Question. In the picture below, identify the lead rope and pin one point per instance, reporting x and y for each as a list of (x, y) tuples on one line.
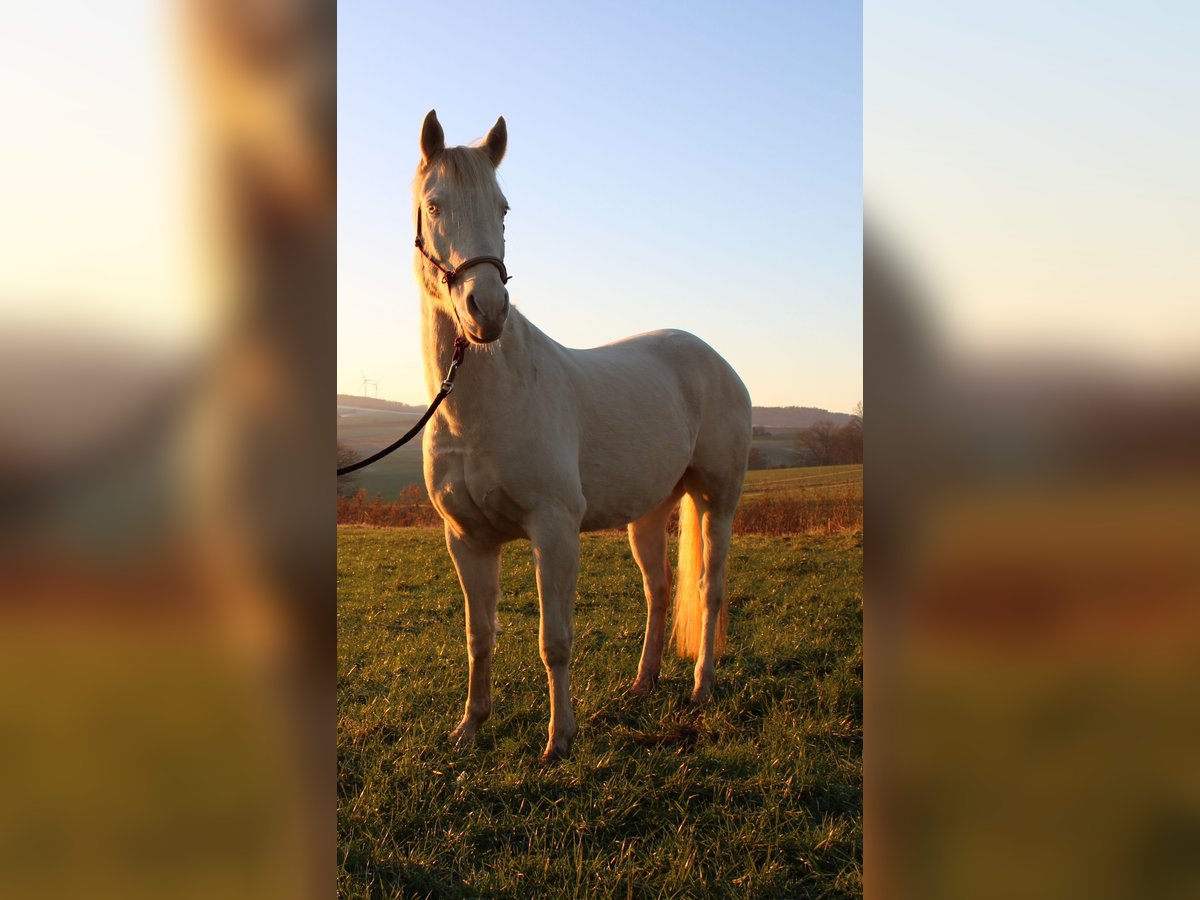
[(460, 349)]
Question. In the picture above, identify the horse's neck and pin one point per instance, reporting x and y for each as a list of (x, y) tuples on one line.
[(437, 344), (491, 376)]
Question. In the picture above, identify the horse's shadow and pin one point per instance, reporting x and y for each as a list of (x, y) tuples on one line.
[(664, 719)]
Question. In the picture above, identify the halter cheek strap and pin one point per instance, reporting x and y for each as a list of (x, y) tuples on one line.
[(449, 273)]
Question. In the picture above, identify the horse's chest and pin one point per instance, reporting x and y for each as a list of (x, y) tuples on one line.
[(467, 491)]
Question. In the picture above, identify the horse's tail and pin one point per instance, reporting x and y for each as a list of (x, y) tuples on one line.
[(689, 599)]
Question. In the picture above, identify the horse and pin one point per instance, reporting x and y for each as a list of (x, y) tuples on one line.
[(542, 442)]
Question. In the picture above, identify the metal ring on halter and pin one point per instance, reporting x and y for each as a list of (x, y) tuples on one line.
[(448, 383), (460, 350)]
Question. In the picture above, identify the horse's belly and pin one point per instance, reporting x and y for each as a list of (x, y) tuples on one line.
[(616, 510), (606, 517), (617, 494)]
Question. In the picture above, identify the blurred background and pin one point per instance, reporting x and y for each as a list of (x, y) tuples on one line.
[(166, 568), (1031, 334), (166, 369)]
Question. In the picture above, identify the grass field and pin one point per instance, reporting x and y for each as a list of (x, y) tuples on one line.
[(758, 795), (812, 480)]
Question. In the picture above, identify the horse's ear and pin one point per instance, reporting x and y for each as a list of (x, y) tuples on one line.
[(433, 140), (496, 142)]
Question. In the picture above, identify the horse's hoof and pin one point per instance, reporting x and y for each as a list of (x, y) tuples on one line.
[(463, 736), (555, 751), (552, 757), (699, 700), (641, 687)]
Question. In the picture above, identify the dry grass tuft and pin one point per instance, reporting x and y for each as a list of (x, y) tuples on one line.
[(778, 513), (411, 508), (820, 509)]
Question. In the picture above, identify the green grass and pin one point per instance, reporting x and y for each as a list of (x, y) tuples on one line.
[(805, 479), (758, 795)]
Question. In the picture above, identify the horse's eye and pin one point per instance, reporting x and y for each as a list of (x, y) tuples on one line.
[(434, 209)]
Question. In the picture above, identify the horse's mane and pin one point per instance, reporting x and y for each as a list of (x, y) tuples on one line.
[(467, 167)]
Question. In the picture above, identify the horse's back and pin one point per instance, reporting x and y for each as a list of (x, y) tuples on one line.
[(679, 351), (669, 361), (659, 407)]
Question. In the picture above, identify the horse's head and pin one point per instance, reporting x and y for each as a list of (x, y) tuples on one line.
[(460, 229)]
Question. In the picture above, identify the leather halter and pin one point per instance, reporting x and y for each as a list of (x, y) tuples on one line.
[(449, 273)]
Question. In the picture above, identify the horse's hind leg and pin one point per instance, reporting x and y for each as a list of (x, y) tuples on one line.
[(717, 529), (479, 574), (648, 539)]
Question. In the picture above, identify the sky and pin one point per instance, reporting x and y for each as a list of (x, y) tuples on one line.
[(667, 166), (1037, 163), (94, 174)]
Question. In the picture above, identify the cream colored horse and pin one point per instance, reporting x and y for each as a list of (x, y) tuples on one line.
[(542, 442)]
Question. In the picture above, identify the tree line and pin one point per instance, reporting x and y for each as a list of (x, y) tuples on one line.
[(822, 444)]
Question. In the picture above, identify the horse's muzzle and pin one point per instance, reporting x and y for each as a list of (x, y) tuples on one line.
[(486, 315)]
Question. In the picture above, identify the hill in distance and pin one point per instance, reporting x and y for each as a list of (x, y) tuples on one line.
[(349, 400), (791, 418), (783, 418)]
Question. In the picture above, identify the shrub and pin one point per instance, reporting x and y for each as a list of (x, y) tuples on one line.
[(410, 508), (770, 512)]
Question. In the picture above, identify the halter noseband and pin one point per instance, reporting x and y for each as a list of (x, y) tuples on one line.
[(449, 273)]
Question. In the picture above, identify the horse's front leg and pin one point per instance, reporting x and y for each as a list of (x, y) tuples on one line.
[(479, 573), (556, 556)]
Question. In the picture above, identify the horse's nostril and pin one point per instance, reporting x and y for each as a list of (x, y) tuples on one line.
[(472, 305), (505, 302)]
